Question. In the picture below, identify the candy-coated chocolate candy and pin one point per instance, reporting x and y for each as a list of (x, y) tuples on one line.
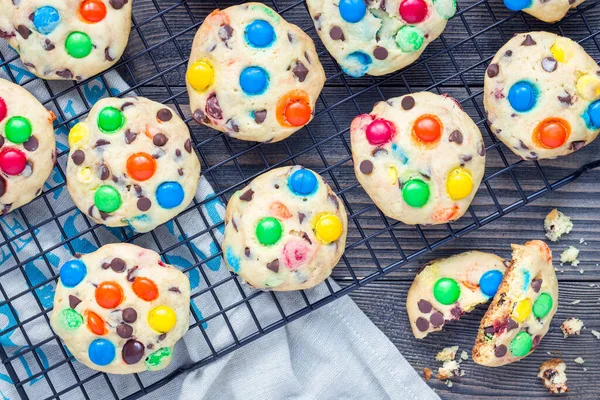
[(295, 253), (298, 113), (260, 33), (110, 120), (328, 228), (446, 291), (92, 10), (459, 184), (141, 166), (352, 10), (303, 182), (78, 45), (3, 109), (542, 305), (232, 259), (562, 50), (357, 63), (78, 135), (101, 352), (409, 39), (522, 96), (107, 199), (522, 310), (70, 319), (490, 281), (516, 5), (84, 175), (446, 8), (162, 319), (415, 193), (588, 87), (392, 175), (552, 133), (155, 359), (109, 294), (279, 210), (132, 352), (145, 288), (413, 11), (380, 131), (593, 112), (521, 344), (12, 161), (169, 194), (268, 230), (96, 324), (46, 19), (18, 129), (427, 128), (72, 273), (254, 80), (201, 75)]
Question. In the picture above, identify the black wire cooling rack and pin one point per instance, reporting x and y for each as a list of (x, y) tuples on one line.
[(154, 66)]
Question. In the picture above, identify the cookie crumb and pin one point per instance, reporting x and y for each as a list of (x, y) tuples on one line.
[(427, 373), (557, 224), (571, 327), (552, 373), (449, 383), (596, 334), (449, 370), (579, 360), (464, 355), (447, 354), (570, 256)]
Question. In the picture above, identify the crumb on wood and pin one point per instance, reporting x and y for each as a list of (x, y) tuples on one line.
[(447, 354), (464, 355), (449, 370), (579, 360), (575, 302), (570, 256), (557, 224), (427, 373), (553, 374), (596, 334), (571, 327)]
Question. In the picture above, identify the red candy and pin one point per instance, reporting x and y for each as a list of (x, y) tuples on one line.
[(296, 253), (12, 161), (380, 131), (109, 294), (413, 11), (3, 110)]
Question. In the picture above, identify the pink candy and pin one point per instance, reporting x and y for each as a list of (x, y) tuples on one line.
[(3, 110), (413, 11), (296, 253), (380, 131)]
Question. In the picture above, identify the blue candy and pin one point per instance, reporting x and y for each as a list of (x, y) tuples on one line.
[(489, 282), (46, 19), (303, 182), (233, 260), (352, 10), (169, 194), (101, 352), (516, 5), (594, 114), (357, 64), (260, 33), (254, 80), (72, 273), (522, 96)]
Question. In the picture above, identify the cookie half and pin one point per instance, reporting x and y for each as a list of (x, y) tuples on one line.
[(445, 289), (419, 157), (121, 309), (522, 309), (252, 74), (132, 163), (286, 230), (542, 96), (547, 11)]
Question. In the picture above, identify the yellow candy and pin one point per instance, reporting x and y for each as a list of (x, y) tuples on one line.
[(459, 184), (78, 136), (162, 319), (84, 175), (522, 310), (562, 50), (588, 87), (393, 175), (328, 228), (201, 75)]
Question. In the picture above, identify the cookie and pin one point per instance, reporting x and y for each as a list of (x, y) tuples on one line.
[(67, 39), (446, 289), (286, 230), (419, 157), (522, 309), (132, 163), (557, 224), (553, 375), (542, 96), (27, 146), (547, 11), (378, 37), (253, 75), (121, 309)]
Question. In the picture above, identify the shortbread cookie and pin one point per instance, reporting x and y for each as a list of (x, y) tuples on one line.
[(66, 39), (252, 74), (447, 288), (522, 309), (132, 163), (553, 374), (27, 146), (545, 10), (542, 96), (286, 230), (121, 309), (419, 157), (378, 37)]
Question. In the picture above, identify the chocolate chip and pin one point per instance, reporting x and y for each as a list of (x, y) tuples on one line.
[(105, 265), (422, 324), (456, 137), (232, 126), (301, 217), (532, 156), (366, 167), (523, 145), (508, 53), (274, 265), (213, 108), (306, 237), (333, 198), (200, 117), (424, 306), (177, 153), (493, 70), (180, 171), (48, 45), (300, 71), (549, 64), (129, 315), (576, 145), (225, 32), (104, 172), (380, 53), (259, 116), (30, 144), (528, 41), (511, 324), (407, 103), (144, 204), (78, 157), (65, 73), (159, 140), (436, 319), (188, 145), (127, 104), (74, 301), (24, 31), (100, 143), (247, 251), (1, 140), (488, 330), (125, 331), (456, 312), (174, 289), (536, 284), (234, 224), (164, 114), (133, 351), (117, 4), (481, 150), (536, 341), (118, 264), (276, 186), (138, 189), (566, 99), (379, 150), (500, 351), (107, 55), (466, 157), (336, 33), (247, 195)]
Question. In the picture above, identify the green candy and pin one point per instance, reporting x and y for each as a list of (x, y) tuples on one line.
[(415, 193), (446, 291), (156, 358), (70, 319), (268, 231), (521, 344), (78, 45), (446, 8), (110, 120), (18, 129), (542, 305), (409, 39), (107, 198)]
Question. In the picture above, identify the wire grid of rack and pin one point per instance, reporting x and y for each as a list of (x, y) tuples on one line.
[(154, 66)]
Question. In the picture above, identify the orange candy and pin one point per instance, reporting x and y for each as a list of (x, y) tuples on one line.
[(293, 109), (141, 166), (552, 133), (297, 113), (427, 128), (96, 323), (279, 210), (92, 10), (109, 294), (145, 288)]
